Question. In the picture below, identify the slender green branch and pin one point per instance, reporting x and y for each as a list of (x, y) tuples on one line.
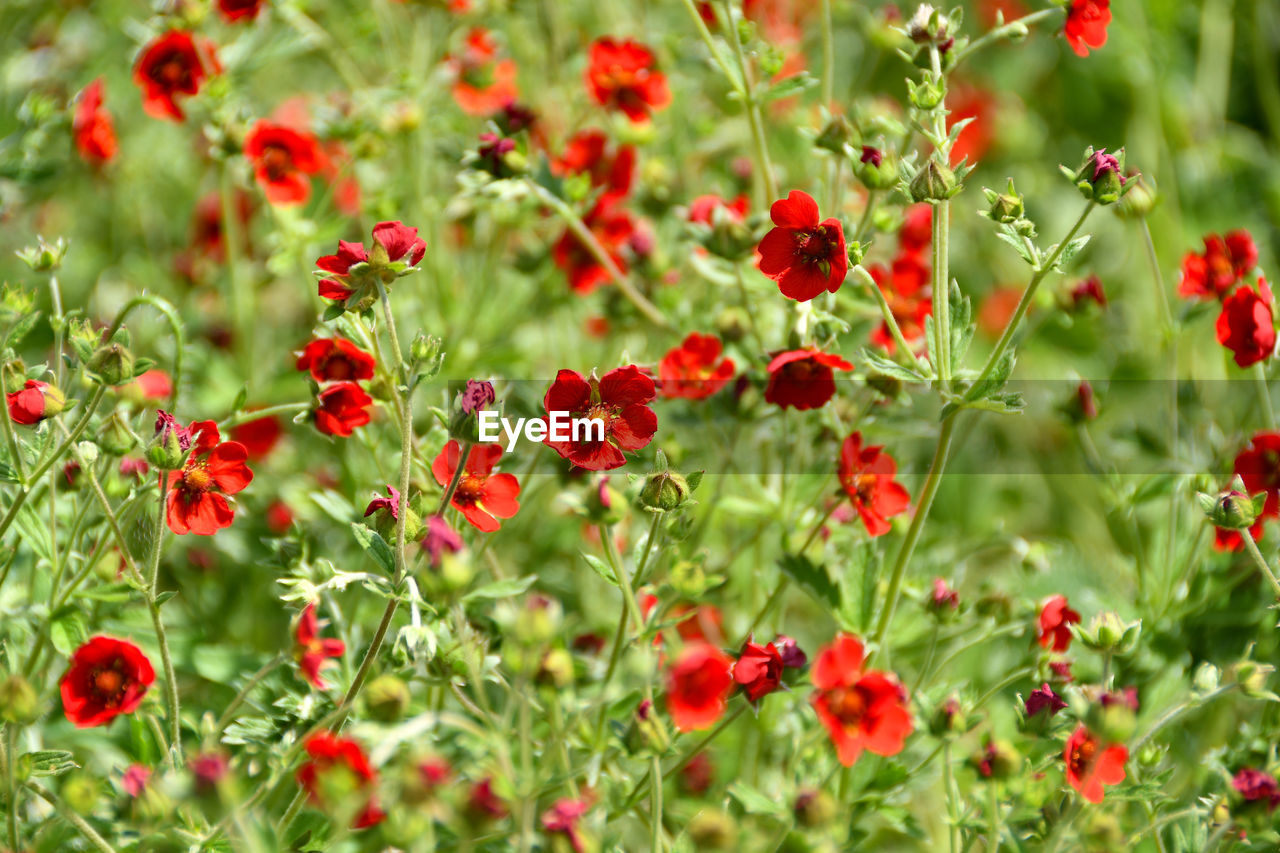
[(69, 815), (752, 106), (1176, 712), (1251, 545), (175, 326), (229, 715), (889, 320), (1016, 27)]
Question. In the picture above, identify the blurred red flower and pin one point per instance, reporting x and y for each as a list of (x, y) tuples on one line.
[(238, 10), (702, 208), (867, 477), (916, 232), (698, 686), (861, 709), (1056, 619), (1256, 785), (905, 286), (805, 257), (622, 75), (563, 817), (312, 651), (483, 84), (1092, 763), (282, 159), (613, 228), (337, 769), (336, 359), (611, 168), (1086, 25), (482, 496), (173, 66), (1246, 325), (803, 379), (92, 127), (1224, 262), (259, 436), (694, 370), (619, 400), (341, 408), (213, 469), (107, 677)]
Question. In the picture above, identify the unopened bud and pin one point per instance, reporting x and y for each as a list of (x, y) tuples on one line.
[(116, 437), (877, 169), (835, 136), (44, 257), (814, 808), (113, 363), (934, 182), (556, 669), (996, 760), (387, 698), (1232, 509), (711, 830), (1101, 177), (664, 491), (1006, 207), (18, 701), (1252, 677)]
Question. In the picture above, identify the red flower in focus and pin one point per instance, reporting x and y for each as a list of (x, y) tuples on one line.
[(282, 159), (338, 769), (694, 369), (107, 678), (613, 227), (170, 67), (562, 818), (237, 10), (94, 132), (394, 243), (1246, 325), (1086, 25), (621, 75), (867, 477), (311, 651), (758, 670), (483, 84), (336, 359), (481, 496), (1092, 764), (703, 208), (906, 289), (861, 710), (259, 436), (804, 256), (215, 468), (36, 401), (1224, 262), (803, 378), (698, 685), (587, 152), (1056, 619), (618, 400), (1255, 785), (341, 408)]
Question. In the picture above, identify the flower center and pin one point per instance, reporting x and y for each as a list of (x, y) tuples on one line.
[(276, 161), (813, 246), (172, 72), (1082, 756), (198, 478), (847, 705), (107, 682), (865, 485), (337, 368), (470, 489)]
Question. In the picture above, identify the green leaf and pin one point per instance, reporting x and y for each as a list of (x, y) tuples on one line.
[(887, 367), (788, 86), (22, 328), (333, 312), (1019, 245), (48, 762), (601, 568), (501, 589), (754, 802), (1069, 251), (812, 578), (371, 541), (67, 630), (112, 592)]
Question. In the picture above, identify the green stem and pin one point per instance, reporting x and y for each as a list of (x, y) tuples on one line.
[(705, 35), (942, 287), (11, 437), (175, 326), (228, 715), (868, 211), (993, 817), (69, 815), (1174, 713), (643, 785), (9, 753), (953, 810), (760, 147), (828, 55), (1251, 546), (749, 307), (1264, 395), (889, 320), (244, 417), (655, 817), (1018, 26)]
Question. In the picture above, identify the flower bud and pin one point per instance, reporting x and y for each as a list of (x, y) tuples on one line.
[(926, 95), (604, 504), (927, 26), (1140, 197), (81, 792), (168, 449), (856, 252), (425, 349), (556, 669), (948, 718), (1114, 716), (538, 621), (387, 698), (498, 156), (997, 759), (1006, 207), (934, 182), (814, 808), (18, 701), (44, 257), (876, 169), (732, 324), (1252, 676), (1100, 178), (1109, 633), (729, 238), (35, 402), (477, 396), (15, 375), (664, 491), (115, 436), (113, 363), (711, 830), (647, 731), (835, 136), (1232, 509)]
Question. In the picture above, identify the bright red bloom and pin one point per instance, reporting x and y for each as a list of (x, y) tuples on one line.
[(1056, 619), (1086, 25), (336, 359), (1258, 465), (394, 242), (803, 378), (341, 408), (34, 402), (282, 159), (338, 766), (621, 75), (483, 84), (1256, 785), (107, 678), (215, 468), (481, 496), (312, 651), (259, 436), (804, 256), (1246, 325), (694, 369), (698, 686), (170, 67), (588, 152), (906, 289), (861, 710), (1092, 764), (614, 228), (758, 670), (618, 400), (1224, 262), (563, 817), (867, 477), (237, 10), (703, 208), (94, 132), (916, 232)]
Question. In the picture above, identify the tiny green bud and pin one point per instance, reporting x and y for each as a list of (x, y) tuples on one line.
[(387, 698), (934, 182), (556, 669), (1006, 207), (1252, 678), (45, 256), (664, 491), (1232, 509), (835, 136), (815, 808), (18, 700), (113, 363), (712, 830)]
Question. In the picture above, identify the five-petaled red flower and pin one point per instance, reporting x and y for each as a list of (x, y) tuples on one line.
[(867, 477), (341, 408), (803, 378), (1086, 25), (618, 400), (312, 651), (1224, 262), (621, 75), (336, 360), (107, 677), (1091, 763), (481, 496), (804, 256), (336, 770), (1056, 619), (34, 402), (1246, 325), (698, 686), (758, 670), (240, 10), (694, 369), (173, 66), (394, 243), (94, 132), (282, 159), (213, 469), (861, 709)]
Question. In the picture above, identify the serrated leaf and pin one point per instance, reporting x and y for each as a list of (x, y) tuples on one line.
[(1069, 251), (372, 542), (812, 578), (787, 87), (48, 762), (113, 592), (22, 328), (501, 589), (67, 630), (887, 367), (601, 568), (1019, 245)]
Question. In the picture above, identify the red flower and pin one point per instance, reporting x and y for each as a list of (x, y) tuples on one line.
[(803, 256), (170, 67), (1055, 621), (135, 779), (803, 378), (613, 227), (107, 678), (155, 384), (342, 407), (312, 651), (906, 289), (481, 496), (1043, 698), (703, 208), (917, 229), (1246, 325), (867, 477), (214, 468), (336, 359), (694, 369), (758, 670), (621, 76), (282, 158), (483, 84), (235, 10), (861, 710), (279, 517), (394, 243), (259, 436), (338, 769), (1259, 466), (618, 400), (1254, 785), (562, 818), (698, 686), (36, 401), (94, 132), (587, 152), (1092, 764), (1224, 263), (1089, 290), (484, 803), (965, 101), (1086, 25), (943, 598)]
